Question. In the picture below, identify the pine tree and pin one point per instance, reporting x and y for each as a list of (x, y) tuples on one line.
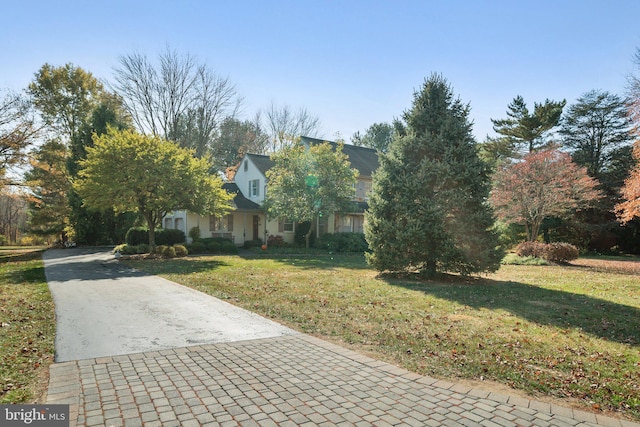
[(428, 211)]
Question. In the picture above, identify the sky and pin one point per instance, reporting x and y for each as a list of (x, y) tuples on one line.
[(350, 63)]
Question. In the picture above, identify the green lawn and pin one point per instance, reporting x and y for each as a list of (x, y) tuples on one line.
[(27, 326), (563, 331)]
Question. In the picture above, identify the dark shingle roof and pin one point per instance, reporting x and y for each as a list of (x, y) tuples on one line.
[(240, 201), (263, 163), (365, 160)]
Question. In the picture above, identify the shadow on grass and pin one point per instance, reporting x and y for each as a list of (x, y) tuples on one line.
[(179, 265), (565, 310), (324, 262), (20, 255)]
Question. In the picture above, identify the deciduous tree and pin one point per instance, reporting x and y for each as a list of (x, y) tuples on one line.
[(428, 211), (547, 183), (235, 139), (630, 207), (307, 182), (130, 172), (65, 96), (177, 98), (49, 182), (284, 126), (17, 130), (378, 136)]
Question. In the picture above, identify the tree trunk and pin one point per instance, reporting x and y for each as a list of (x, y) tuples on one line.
[(307, 237), (151, 223)]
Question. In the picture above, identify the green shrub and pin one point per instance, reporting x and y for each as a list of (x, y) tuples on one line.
[(180, 250), (169, 251), (142, 248), (168, 237), (248, 244), (194, 233), (214, 247), (137, 235), (514, 259), (343, 242), (160, 249), (209, 240), (229, 248), (197, 248), (560, 252)]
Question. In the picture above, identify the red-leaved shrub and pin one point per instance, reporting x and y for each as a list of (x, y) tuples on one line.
[(552, 252)]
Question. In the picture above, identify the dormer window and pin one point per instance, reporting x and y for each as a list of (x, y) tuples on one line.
[(254, 188)]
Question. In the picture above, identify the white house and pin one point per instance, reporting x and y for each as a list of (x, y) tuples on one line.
[(248, 220)]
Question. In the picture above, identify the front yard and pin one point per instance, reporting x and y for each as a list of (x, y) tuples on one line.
[(27, 326), (570, 332)]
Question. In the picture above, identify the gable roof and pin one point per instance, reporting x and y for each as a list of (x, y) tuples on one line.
[(364, 159), (239, 200), (263, 163)]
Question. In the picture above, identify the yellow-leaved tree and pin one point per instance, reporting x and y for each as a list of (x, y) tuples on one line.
[(131, 172)]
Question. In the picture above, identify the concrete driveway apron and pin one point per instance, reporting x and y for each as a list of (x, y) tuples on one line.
[(104, 308)]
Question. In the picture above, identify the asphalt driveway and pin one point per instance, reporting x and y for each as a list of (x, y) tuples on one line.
[(104, 308)]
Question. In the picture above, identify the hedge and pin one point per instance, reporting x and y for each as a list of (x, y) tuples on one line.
[(167, 237)]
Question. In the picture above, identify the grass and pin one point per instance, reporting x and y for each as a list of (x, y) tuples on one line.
[(562, 331), (27, 326)]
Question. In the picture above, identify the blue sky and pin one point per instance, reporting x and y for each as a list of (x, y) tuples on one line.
[(351, 63)]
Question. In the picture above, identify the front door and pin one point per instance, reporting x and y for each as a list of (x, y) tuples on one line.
[(256, 227)]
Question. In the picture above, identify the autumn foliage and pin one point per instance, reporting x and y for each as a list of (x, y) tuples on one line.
[(630, 208), (547, 183)]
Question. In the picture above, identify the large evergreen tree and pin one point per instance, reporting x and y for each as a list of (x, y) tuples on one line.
[(428, 211), (524, 131)]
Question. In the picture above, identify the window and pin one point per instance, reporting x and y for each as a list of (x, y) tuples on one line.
[(246, 165), (288, 225), (285, 225), (221, 224), (254, 188)]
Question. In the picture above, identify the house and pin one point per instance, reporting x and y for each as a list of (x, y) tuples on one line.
[(248, 221)]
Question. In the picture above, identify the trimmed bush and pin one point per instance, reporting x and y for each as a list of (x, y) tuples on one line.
[(181, 250), (530, 249), (169, 251), (197, 248), (552, 252), (214, 247), (228, 247), (137, 235), (560, 252), (167, 237), (343, 242), (194, 233)]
